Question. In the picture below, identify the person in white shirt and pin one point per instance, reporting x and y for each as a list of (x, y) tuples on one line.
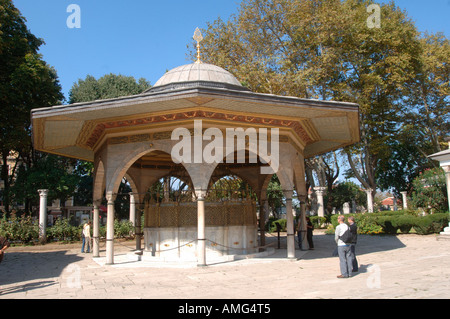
[(86, 237), (344, 249)]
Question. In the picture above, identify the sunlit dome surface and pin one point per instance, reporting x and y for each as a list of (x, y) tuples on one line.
[(197, 72)]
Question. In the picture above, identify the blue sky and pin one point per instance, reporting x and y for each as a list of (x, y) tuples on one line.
[(144, 38)]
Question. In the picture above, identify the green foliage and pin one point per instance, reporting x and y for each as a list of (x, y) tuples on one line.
[(275, 194), (430, 191), (48, 172), (396, 222), (26, 82), (107, 87), (25, 230), (318, 221), (63, 231), (272, 227), (22, 229), (345, 192), (123, 228), (325, 50), (431, 224)]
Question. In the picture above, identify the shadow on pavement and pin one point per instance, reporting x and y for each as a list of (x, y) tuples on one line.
[(41, 267), (324, 245)]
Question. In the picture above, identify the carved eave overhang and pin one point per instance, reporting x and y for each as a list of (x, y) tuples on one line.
[(78, 130)]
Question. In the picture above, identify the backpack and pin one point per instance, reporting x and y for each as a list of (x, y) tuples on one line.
[(346, 237)]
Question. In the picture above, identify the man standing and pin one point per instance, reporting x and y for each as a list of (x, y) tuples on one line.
[(354, 231), (344, 250)]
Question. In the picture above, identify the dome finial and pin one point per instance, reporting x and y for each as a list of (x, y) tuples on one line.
[(198, 37)]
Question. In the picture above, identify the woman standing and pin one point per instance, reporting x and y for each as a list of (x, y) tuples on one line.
[(86, 234)]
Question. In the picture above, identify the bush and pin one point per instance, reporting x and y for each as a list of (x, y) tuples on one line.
[(394, 222), (123, 228), (431, 224), (22, 229), (63, 231), (430, 191), (319, 222), (404, 223)]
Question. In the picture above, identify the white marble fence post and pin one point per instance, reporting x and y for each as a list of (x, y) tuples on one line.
[(320, 191), (43, 193)]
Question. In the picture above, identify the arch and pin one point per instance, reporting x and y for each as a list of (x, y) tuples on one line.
[(115, 174)]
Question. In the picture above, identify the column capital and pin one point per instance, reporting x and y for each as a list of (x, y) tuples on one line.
[(302, 198), (200, 193), (369, 190), (43, 192), (110, 197), (288, 193), (320, 190), (96, 202)]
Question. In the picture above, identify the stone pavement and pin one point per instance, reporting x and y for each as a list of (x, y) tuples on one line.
[(403, 266)]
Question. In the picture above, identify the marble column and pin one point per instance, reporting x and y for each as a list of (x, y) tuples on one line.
[(290, 225), (369, 200), (96, 230), (201, 231), (43, 193), (132, 209), (320, 191), (110, 229)]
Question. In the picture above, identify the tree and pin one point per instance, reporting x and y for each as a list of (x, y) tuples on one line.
[(325, 49), (430, 191), (26, 82), (428, 95), (346, 192), (48, 172), (107, 87), (90, 89)]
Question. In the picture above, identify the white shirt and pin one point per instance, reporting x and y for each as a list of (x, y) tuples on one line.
[(340, 230), (87, 230)]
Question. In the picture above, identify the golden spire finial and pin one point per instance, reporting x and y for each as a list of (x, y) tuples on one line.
[(198, 37)]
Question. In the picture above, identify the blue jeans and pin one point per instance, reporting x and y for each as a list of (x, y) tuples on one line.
[(86, 240), (345, 260)]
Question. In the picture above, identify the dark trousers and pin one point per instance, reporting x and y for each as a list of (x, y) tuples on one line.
[(309, 237), (354, 261)]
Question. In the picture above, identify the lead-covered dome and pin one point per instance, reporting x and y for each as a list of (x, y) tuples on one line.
[(197, 74)]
